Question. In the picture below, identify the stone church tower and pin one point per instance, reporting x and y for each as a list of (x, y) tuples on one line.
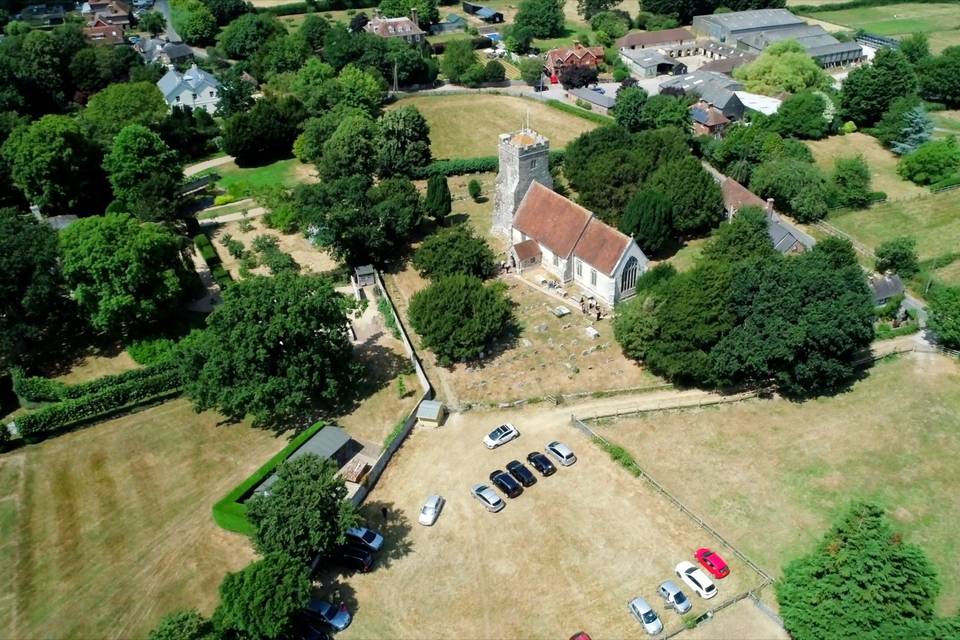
[(524, 157)]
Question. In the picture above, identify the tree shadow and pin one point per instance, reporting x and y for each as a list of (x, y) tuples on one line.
[(334, 590), (395, 530)]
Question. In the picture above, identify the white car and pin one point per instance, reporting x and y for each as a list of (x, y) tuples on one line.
[(562, 453), (500, 436), (365, 537), (696, 579), (430, 510), (645, 615), (487, 497)]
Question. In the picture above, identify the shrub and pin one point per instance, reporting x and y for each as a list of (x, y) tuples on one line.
[(265, 242), (236, 248), (283, 219), (383, 306), (583, 104), (931, 162), (40, 389), (571, 109), (278, 261), (474, 189), (877, 196), (223, 199), (848, 127), (153, 351)]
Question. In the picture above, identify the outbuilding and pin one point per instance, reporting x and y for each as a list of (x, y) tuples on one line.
[(365, 275), (431, 413)]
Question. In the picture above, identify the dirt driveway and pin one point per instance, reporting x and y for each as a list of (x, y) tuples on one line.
[(566, 555)]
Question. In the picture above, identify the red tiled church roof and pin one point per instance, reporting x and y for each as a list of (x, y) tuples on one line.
[(551, 219), (601, 246)]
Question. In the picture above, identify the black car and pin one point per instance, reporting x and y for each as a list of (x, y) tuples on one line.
[(541, 463), (354, 558), (521, 473), (505, 483)]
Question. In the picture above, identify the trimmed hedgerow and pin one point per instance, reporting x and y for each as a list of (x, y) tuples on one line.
[(580, 113), (462, 166), (39, 389), (230, 512)]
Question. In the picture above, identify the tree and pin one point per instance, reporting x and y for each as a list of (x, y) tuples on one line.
[(152, 22), (274, 349), (438, 202), (614, 24), (456, 250), (264, 133), (194, 22), (226, 10), (113, 108), (915, 48), (314, 29), (904, 126), (236, 92), (898, 255), (647, 219), (282, 54), (695, 197), (802, 115), (427, 11), (316, 131), (260, 600), (32, 299), (54, 164), (124, 275), (404, 142), (860, 576), (457, 59), (494, 71), (183, 625), (940, 77), (306, 512), (783, 66), (475, 190), (931, 162), (590, 8), (361, 89), (664, 111), (851, 180), (350, 150), (541, 18), (458, 318), (745, 239), (628, 108), (576, 76), (945, 315), (145, 174), (799, 188), (869, 90), (531, 71), (316, 87), (244, 36), (189, 132)]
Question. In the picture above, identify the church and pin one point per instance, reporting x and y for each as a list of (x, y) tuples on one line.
[(547, 230)]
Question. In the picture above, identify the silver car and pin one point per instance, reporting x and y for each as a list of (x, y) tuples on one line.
[(488, 497), (430, 510), (562, 453), (645, 615), (674, 598)]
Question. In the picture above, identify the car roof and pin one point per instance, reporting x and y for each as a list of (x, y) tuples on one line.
[(560, 447), (685, 566), (514, 463), (641, 604), (670, 586), (433, 500)]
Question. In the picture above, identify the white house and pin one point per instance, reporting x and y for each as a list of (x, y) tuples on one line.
[(193, 88)]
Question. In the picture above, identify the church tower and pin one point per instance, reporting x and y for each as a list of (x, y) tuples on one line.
[(524, 157)]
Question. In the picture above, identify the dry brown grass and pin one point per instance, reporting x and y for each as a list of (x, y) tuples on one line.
[(113, 527), (566, 555), (96, 365), (772, 474), (311, 259), (743, 621), (883, 163)]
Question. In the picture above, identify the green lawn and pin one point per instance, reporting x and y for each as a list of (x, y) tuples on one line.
[(902, 19), (244, 182), (946, 123), (882, 162)]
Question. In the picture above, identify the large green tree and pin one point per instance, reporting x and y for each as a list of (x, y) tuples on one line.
[(541, 18), (306, 512), (931, 162), (244, 36), (459, 318), (456, 249), (195, 23), (784, 66), (851, 182), (904, 126), (145, 174), (438, 202), (664, 111), (260, 600), (862, 576), (940, 77), (695, 197), (945, 315), (648, 218), (55, 165), (797, 187), (153, 23), (124, 275), (183, 625), (803, 115), (113, 108), (427, 11), (264, 133), (404, 142), (274, 349), (868, 91), (458, 57), (351, 149), (628, 108), (898, 255)]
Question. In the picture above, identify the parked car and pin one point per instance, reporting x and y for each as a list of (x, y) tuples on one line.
[(430, 510), (505, 482), (308, 628), (522, 475), (500, 436), (674, 598), (363, 537), (356, 558), (712, 563), (487, 497), (696, 580), (645, 615), (580, 635), (598, 89), (541, 463), (562, 453), (328, 614)]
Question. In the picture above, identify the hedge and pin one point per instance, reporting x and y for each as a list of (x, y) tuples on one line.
[(73, 412), (230, 513), (461, 166), (945, 184), (289, 9), (39, 389), (857, 4), (580, 113)]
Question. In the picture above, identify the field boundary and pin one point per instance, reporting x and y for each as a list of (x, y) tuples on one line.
[(678, 403)]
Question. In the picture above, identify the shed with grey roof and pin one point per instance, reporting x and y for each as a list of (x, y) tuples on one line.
[(599, 102), (885, 287), (648, 63), (431, 413), (730, 27), (711, 87), (331, 443)]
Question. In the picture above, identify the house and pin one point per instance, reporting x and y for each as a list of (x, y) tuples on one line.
[(785, 237), (114, 12), (431, 413), (708, 120), (597, 102), (670, 39), (193, 88), (403, 28), (714, 88), (546, 229), (484, 13), (43, 15), (102, 33), (885, 287), (649, 63), (166, 53), (331, 443), (578, 55), (450, 24)]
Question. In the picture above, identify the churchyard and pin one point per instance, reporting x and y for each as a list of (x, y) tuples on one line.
[(938, 20), (310, 258), (786, 469)]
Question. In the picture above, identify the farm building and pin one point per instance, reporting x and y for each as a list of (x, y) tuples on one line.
[(649, 63), (598, 102), (885, 287), (711, 87), (484, 13), (576, 56), (450, 24), (667, 39)]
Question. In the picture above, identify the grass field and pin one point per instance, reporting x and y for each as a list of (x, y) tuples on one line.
[(946, 123), (772, 474), (468, 125), (940, 20), (110, 526), (883, 163), (243, 182)]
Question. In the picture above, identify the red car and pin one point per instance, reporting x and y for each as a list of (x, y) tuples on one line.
[(580, 635), (712, 563)]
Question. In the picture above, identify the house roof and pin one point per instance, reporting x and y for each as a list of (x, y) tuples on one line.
[(887, 286), (760, 103), (653, 38), (601, 246), (754, 19), (324, 443), (527, 250), (728, 64), (707, 115), (393, 27), (576, 53), (594, 97), (782, 234), (104, 34), (736, 196), (552, 220), (430, 410), (194, 78), (486, 12), (646, 59)]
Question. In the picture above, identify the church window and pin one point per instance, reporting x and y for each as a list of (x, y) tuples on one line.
[(593, 277), (629, 278), (579, 269)]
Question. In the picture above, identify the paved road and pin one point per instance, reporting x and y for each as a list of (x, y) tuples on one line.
[(194, 169), (163, 6)]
